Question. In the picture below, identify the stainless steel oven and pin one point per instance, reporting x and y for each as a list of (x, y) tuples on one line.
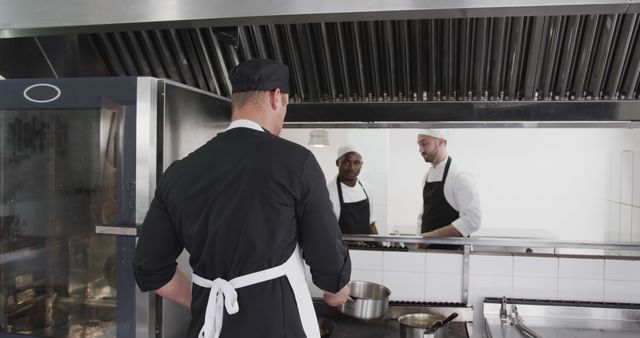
[(79, 162)]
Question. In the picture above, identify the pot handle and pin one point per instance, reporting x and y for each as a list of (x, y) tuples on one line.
[(350, 302), (439, 323), (428, 335)]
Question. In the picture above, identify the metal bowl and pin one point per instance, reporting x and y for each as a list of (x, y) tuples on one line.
[(413, 325), (367, 301)]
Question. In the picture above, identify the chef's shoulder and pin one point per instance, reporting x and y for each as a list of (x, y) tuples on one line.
[(287, 149), (460, 177)]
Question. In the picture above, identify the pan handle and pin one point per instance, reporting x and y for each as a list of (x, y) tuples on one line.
[(440, 323)]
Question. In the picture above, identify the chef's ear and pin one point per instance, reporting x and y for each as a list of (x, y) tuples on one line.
[(274, 99), (338, 162)]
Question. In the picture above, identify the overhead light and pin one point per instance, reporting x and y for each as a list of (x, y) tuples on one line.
[(2, 77), (319, 138)]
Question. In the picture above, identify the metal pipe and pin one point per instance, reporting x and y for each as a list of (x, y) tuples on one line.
[(374, 61), (325, 53), (622, 53), (294, 64), (151, 54), (218, 61), (571, 35), (205, 61), (603, 56), (585, 51), (256, 32), (342, 61)]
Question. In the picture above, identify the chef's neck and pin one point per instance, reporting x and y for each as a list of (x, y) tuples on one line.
[(349, 182), (440, 158), (261, 119)]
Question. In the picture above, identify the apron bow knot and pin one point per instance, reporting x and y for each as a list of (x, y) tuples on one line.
[(222, 294)]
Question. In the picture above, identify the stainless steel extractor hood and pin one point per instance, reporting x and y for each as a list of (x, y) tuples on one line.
[(393, 62)]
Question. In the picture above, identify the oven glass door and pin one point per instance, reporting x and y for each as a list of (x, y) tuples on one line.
[(62, 172)]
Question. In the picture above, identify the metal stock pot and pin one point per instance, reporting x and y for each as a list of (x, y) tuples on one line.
[(367, 301), (423, 325)]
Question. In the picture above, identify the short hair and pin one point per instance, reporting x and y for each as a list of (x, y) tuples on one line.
[(242, 98)]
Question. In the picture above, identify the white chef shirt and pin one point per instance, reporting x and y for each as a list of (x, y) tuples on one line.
[(461, 193), (242, 123), (349, 195)]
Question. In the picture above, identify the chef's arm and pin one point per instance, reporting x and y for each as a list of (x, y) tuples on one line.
[(339, 298), (318, 231), (372, 229), (178, 289), (467, 201), (446, 231)]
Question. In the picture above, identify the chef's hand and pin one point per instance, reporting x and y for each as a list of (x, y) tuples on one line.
[(426, 234), (336, 299)]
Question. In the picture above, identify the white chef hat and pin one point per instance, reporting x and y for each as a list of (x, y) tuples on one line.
[(437, 133), (347, 148)]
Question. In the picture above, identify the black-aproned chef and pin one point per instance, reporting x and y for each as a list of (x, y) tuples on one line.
[(249, 207), (351, 202), (451, 203)]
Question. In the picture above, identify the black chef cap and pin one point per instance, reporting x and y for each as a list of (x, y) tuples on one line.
[(259, 75)]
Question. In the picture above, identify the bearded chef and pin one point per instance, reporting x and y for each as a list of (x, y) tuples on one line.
[(451, 203)]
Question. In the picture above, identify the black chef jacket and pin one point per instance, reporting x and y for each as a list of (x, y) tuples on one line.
[(239, 204)]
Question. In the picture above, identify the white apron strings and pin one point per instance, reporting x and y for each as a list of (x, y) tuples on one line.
[(223, 295)]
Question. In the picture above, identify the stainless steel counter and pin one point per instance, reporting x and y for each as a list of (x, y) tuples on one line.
[(494, 241), (561, 319)]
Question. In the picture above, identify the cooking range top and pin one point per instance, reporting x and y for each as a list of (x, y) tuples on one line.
[(376, 246), (385, 327)]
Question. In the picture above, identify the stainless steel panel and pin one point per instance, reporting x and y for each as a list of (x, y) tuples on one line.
[(562, 319), (491, 241), (19, 18), (536, 112), (146, 176), (146, 144)]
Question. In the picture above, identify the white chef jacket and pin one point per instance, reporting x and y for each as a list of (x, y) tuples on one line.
[(461, 193), (349, 195)]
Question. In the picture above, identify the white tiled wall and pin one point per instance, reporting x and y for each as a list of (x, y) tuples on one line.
[(581, 268), (581, 289), (443, 279), (581, 279), (404, 285), (491, 265), (404, 261), (622, 281), (535, 287), (366, 260), (545, 267)]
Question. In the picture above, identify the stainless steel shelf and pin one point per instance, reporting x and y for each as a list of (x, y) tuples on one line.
[(494, 241)]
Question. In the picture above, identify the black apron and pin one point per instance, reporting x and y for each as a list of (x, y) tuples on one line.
[(354, 217), (437, 212)]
